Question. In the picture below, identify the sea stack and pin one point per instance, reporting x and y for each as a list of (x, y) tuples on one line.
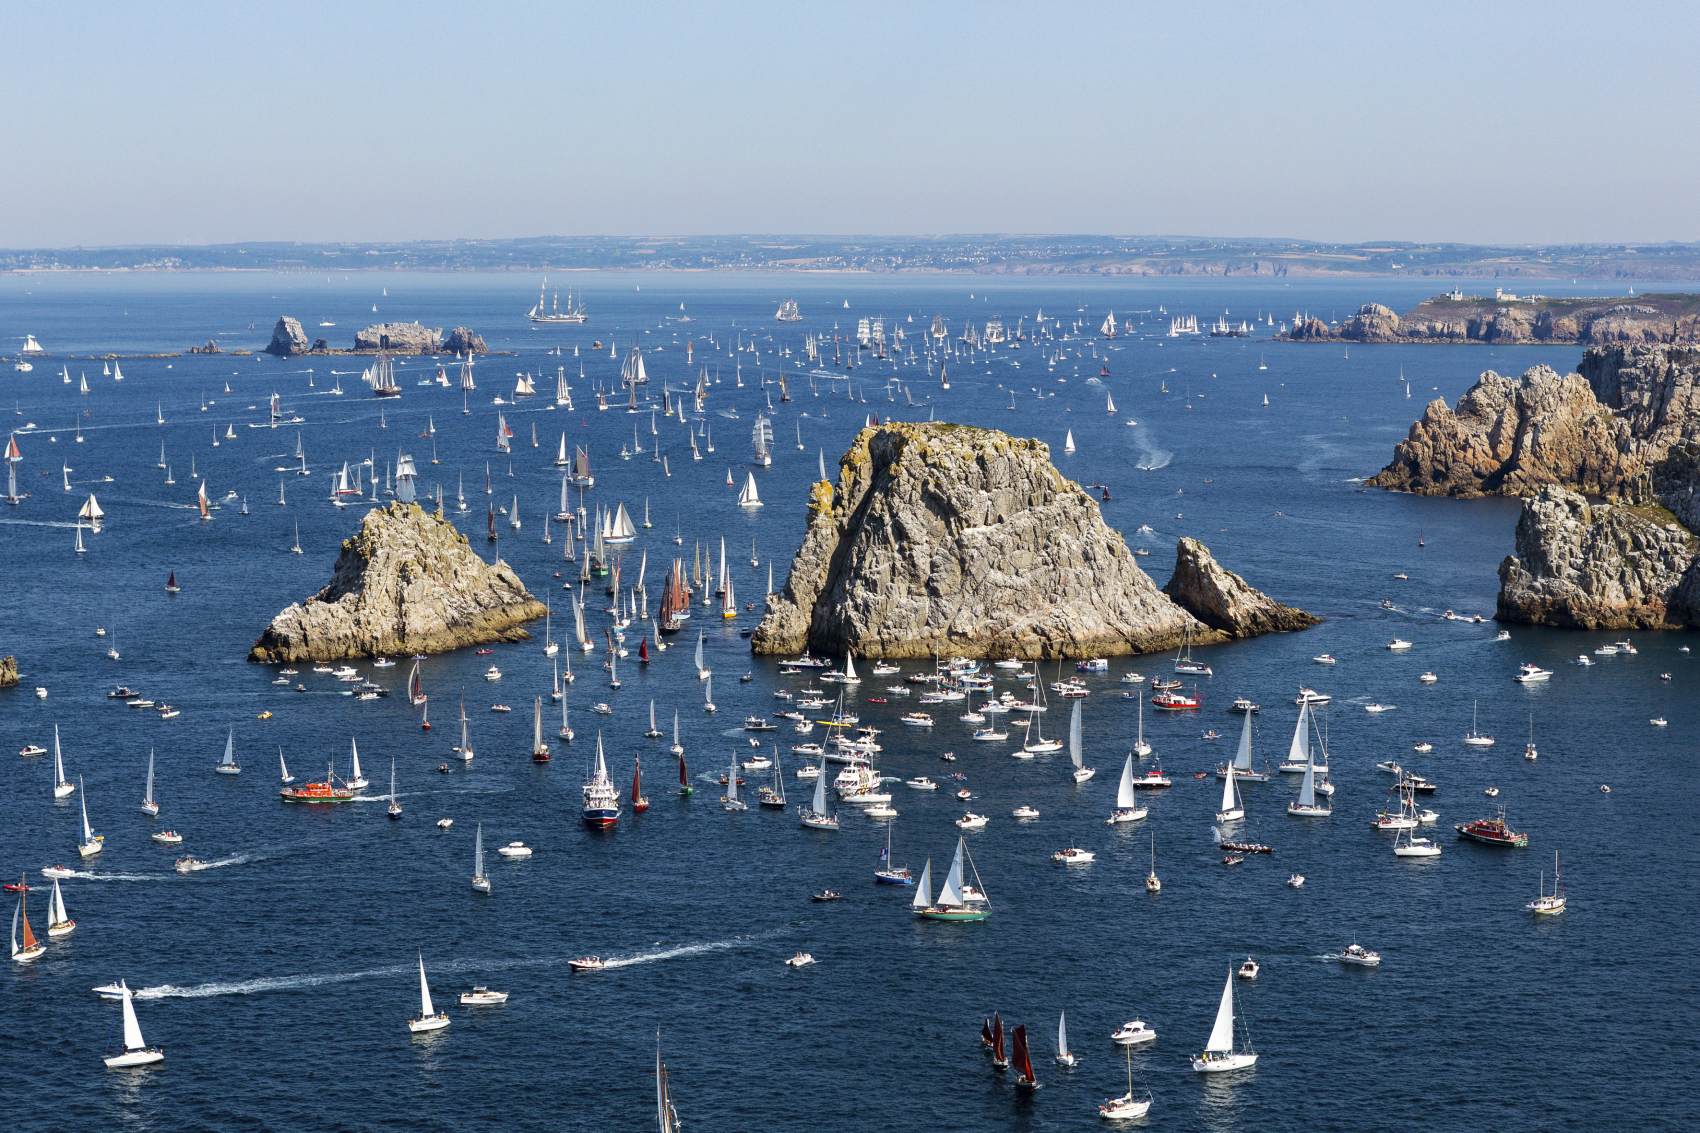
[(1222, 600), (958, 541), (406, 582)]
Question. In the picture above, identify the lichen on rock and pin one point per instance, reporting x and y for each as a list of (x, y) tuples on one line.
[(406, 582)]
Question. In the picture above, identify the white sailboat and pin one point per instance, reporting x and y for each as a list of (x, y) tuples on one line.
[(1127, 804), (394, 811), (730, 799), (356, 780), (747, 495), (677, 748), (702, 672), (1068, 442), (1241, 766), (63, 788), (91, 843), (550, 648), (814, 816), (1126, 1106), (136, 1051), (1231, 810), (283, 774), (1065, 1057), (149, 806), (1153, 884), (1219, 1054), (479, 882), (957, 900), (1075, 755), (665, 1114), (59, 922), (1307, 805), (228, 765), (464, 750), (429, 1019), (1140, 747)]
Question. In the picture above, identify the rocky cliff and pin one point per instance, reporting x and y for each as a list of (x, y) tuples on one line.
[(464, 340), (1638, 319), (8, 672), (1598, 566), (954, 540), (1222, 600), (400, 338), (288, 338), (406, 582)]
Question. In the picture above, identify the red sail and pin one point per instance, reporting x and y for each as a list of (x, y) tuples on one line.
[(1023, 1064), (683, 782), (643, 651), (637, 780), (29, 937), (997, 1041), (986, 1033)]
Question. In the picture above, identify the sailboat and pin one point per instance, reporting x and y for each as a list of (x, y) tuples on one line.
[(539, 749), (394, 811), (464, 750), (814, 816), (1125, 1107), (429, 1019), (355, 779), (1232, 810), (1110, 403), (1065, 1057), (639, 801), (1306, 805), (1152, 883), (889, 874), (1127, 804), (1024, 1079), (677, 748), (228, 765), (666, 1116), (1473, 737), (136, 1052), (1544, 905), (1068, 442), (149, 806), (1241, 768), (747, 495), (283, 769), (29, 948), (956, 901), (702, 672), (479, 881), (1219, 1054), (730, 799), (1075, 756), (1140, 747), (601, 799), (92, 842), (62, 788), (59, 922)]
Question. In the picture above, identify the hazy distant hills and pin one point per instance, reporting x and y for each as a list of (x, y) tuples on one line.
[(984, 255)]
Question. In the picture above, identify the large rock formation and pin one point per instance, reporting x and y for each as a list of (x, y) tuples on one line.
[(1221, 599), (464, 340), (288, 338), (1511, 437), (400, 338), (955, 540), (1508, 320), (8, 671), (406, 582), (1654, 390), (1598, 566)]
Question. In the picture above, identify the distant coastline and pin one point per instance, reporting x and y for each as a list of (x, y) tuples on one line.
[(970, 255)]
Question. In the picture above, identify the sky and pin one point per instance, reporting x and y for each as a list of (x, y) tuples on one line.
[(1489, 122)]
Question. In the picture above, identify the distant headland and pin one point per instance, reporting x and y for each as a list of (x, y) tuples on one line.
[(1007, 254), (1507, 319)]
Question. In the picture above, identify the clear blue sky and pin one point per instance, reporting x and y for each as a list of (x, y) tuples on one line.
[(1480, 122)]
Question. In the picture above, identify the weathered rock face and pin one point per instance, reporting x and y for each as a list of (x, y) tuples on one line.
[(1654, 389), (1372, 323), (406, 582), (8, 672), (400, 338), (961, 541), (1596, 566), (1487, 319), (1221, 599), (287, 338), (464, 340), (210, 348), (1511, 437)]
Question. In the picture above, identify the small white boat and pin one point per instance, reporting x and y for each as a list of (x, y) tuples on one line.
[(1249, 969), (445, 823), (801, 960), (972, 821), (1073, 856), (429, 1019), (1296, 881), (1324, 659), (1358, 954), (921, 783), (482, 997), (136, 1052), (1658, 721), (166, 837), (1398, 645), (110, 991), (1376, 706), (1544, 905), (1132, 1033), (1024, 812), (587, 964), (492, 674), (1126, 1107), (515, 850), (1530, 674), (1422, 747)]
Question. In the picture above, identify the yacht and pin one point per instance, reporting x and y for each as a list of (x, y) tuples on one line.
[(972, 821), (1324, 659), (515, 850), (1428, 678), (136, 1052), (1133, 1033), (1473, 737), (429, 1018), (1358, 954), (1024, 812), (1249, 969), (482, 997), (1398, 645), (1311, 696), (1528, 674), (1073, 856)]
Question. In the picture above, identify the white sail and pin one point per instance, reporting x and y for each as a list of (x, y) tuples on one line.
[(1124, 790), (1068, 442), (1229, 802), (148, 796), (699, 652), (1307, 789), (924, 889), (59, 762), (747, 495), (425, 1009), (56, 907), (354, 753), (1242, 759), (91, 510), (950, 893), (1062, 1033), (88, 835), (478, 853), (849, 666), (229, 759), (1109, 403), (1074, 753), (132, 1029), (537, 726), (708, 690), (732, 780), (1222, 1034), (1300, 751)]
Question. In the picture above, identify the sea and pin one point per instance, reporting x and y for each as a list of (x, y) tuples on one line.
[(279, 978)]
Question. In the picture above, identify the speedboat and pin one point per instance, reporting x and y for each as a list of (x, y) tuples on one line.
[(1398, 645), (57, 871), (1422, 748), (1428, 678), (1658, 721), (1249, 969), (110, 991), (1390, 767), (1491, 792), (1311, 696), (32, 749), (482, 997), (921, 783), (587, 964), (917, 719), (1504, 635), (1358, 954), (1324, 659), (189, 864), (826, 895), (1606, 651), (1375, 706), (972, 821), (515, 850), (1528, 674), (800, 960), (1132, 1033), (1582, 659), (1024, 812), (166, 837), (445, 823), (1072, 856)]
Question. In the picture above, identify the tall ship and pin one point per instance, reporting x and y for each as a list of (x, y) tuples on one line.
[(380, 375), (1183, 324), (788, 312), (580, 476), (938, 330), (1221, 328), (617, 526), (601, 797), (762, 438), (994, 332), (573, 314), (675, 600), (631, 370)]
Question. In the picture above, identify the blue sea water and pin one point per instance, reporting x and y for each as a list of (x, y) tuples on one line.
[(279, 980)]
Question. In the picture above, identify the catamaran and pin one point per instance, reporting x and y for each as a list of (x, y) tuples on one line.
[(1219, 1054), (956, 901)]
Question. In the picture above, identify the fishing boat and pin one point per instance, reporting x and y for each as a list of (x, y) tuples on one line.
[(429, 1019), (228, 764), (1219, 1053), (956, 901), (601, 808), (332, 790), (1359, 955), (28, 948), (136, 1051), (91, 843), (480, 882), (1544, 905), (1492, 831)]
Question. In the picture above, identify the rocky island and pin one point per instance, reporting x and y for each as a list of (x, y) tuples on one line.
[(958, 541), (406, 582), (289, 340), (1512, 319)]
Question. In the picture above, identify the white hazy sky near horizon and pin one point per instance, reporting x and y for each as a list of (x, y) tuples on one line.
[(1481, 122)]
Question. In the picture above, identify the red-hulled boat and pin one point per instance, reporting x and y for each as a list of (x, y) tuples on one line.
[(326, 792), (1492, 831), (1174, 702)]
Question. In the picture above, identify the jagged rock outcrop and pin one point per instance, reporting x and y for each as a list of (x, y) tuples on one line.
[(400, 338), (1496, 319), (287, 338), (1511, 437), (1222, 600), (210, 348), (464, 340), (1655, 390), (8, 672), (955, 540), (1372, 323), (1598, 566), (406, 582)]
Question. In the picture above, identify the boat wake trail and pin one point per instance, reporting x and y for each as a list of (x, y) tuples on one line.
[(265, 984), (238, 859), (686, 950), (89, 875), (1151, 457)]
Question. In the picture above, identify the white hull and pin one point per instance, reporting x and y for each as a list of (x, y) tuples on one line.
[(88, 849), (434, 1023), (136, 1058), (1218, 1063), (1133, 815)]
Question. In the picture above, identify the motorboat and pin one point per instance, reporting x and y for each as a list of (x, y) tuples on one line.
[(1132, 1033), (1249, 969), (1377, 706), (1492, 831), (515, 850), (482, 997), (1324, 659), (1073, 856), (921, 783), (1658, 721), (1311, 696), (1529, 674), (587, 964), (1428, 678), (1358, 954), (917, 719), (166, 837), (826, 895), (1024, 812), (801, 960), (58, 871), (190, 864), (1398, 645), (1242, 705), (1296, 881), (972, 821), (492, 674), (1422, 747)]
